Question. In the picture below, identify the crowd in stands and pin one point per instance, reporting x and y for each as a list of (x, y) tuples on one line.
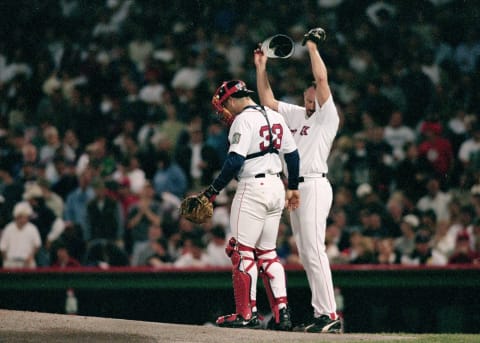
[(106, 124)]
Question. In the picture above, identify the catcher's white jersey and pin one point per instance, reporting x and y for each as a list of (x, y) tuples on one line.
[(314, 136), (250, 134)]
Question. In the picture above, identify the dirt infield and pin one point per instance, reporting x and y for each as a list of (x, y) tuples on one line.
[(29, 327)]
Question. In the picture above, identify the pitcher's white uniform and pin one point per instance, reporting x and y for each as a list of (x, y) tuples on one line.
[(314, 137)]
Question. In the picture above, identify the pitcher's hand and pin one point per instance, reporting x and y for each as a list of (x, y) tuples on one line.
[(292, 200)]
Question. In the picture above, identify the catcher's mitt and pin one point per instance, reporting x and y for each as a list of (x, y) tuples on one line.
[(196, 208), (316, 35)]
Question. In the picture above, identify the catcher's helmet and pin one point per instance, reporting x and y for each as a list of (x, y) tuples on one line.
[(233, 88)]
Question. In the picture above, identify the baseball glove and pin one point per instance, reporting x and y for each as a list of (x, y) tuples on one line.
[(316, 35), (196, 208)]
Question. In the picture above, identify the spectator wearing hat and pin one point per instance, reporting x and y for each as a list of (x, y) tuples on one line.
[(423, 254), (463, 253), (20, 239), (405, 244)]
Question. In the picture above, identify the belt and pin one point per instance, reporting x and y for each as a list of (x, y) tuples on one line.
[(262, 175), (302, 179)]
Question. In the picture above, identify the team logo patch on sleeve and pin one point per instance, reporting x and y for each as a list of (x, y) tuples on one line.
[(236, 138)]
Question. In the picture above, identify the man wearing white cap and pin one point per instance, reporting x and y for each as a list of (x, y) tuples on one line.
[(20, 239)]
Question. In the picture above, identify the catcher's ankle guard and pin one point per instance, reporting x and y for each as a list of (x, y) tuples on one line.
[(263, 266)]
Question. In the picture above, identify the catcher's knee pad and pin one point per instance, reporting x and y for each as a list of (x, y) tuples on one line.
[(273, 277), (244, 276)]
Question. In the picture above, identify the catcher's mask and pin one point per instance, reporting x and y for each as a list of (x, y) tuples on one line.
[(233, 88)]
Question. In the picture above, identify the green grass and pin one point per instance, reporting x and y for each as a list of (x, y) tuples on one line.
[(420, 338)]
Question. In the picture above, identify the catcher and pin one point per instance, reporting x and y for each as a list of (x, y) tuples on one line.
[(257, 137)]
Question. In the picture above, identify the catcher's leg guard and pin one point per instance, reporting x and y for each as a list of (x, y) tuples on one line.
[(244, 277), (273, 277)]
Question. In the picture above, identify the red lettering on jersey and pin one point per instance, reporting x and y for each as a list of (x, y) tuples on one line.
[(277, 131), (304, 131), (293, 131)]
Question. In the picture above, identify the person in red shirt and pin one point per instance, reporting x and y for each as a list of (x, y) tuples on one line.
[(436, 149), (63, 259)]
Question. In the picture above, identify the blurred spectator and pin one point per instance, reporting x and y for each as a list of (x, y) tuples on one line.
[(436, 149), (423, 254), (11, 192), (193, 253), (332, 234), (125, 196), (442, 240), (129, 167), (159, 257), (362, 249), (20, 239), (52, 199), (397, 134), (43, 218), (215, 248), (198, 160), (419, 91), (62, 257), (463, 252), (386, 253), (67, 180), (141, 216), (469, 151), (359, 162), (375, 226), (148, 248), (169, 177), (105, 254), (435, 200), (428, 220), (77, 201), (411, 174), (405, 244), (105, 219), (73, 239)]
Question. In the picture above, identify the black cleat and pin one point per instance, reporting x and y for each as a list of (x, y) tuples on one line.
[(285, 323), (322, 324), (237, 321)]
